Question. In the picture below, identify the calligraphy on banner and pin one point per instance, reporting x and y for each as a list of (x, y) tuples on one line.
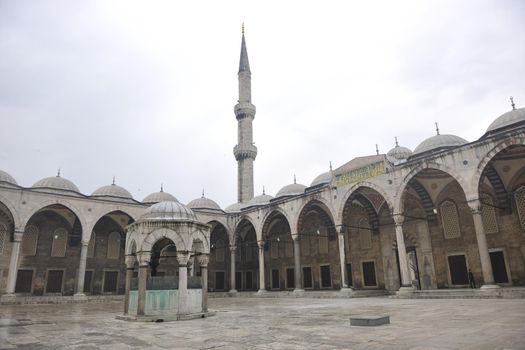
[(356, 175)]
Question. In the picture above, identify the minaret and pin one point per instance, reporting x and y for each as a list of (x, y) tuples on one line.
[(245, 151)]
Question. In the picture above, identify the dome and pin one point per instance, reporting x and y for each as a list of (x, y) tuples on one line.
[(56, 183), (112, 191), (5, 177), (204, 203), (169, 210), (260, 200), (509, 118), (439, 142), (399, 152), (235, 207), (322, 179), (159, 197), (291, 190)]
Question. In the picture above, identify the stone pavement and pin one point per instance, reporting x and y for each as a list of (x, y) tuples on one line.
[(260, 323)]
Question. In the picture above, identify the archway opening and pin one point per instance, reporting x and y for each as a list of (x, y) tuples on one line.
[(278, 251), (219, 264), (246, 257)]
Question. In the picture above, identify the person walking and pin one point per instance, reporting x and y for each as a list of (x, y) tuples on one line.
[(471, 280)]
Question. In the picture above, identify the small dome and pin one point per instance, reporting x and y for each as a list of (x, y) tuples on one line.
[(112, 191), (291, 190), (439, 142), (509, 118), (235, 207), (204, 203), (5, 177), (169, 210), (322, 179), (399, 152), (159, 197), (56, 183), (260, 200)]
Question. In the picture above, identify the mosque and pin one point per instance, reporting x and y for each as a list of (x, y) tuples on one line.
[(396, 222)]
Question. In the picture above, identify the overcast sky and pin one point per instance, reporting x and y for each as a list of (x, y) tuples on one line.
[(144, 90)]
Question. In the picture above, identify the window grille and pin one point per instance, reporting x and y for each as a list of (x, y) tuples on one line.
[(58, 249), (488, 214), (519, 197), (113, 245), (450, 219), (30, 241)]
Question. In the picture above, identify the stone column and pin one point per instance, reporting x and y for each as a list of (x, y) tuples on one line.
[(486, 265), (342, 257), (262, 279), (402, 252), (13, 264), (232, 269), (144, 259), (182, 302), (203, 260), (297, 263), (81, 271), (130, 264)]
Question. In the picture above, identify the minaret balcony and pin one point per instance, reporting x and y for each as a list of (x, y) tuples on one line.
[(244, 109), (244, 152)]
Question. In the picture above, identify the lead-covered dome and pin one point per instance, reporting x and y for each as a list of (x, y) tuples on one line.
[(291, 190), (204, 203), (235, 207), (5, 177), (439, 142), (158, 197), (56, 183), (260, 200), (399, 152), (170, 211), (509, 118), (322, 179), (112, 190)]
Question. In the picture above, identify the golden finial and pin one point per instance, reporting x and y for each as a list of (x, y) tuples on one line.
[(264, 192), (512, 102), (242, 28), (377, 149), (330, 165), (437, 128), (294, 179), (58, 173), (161, 187), (203, 193), (397, 144), (113, 180)]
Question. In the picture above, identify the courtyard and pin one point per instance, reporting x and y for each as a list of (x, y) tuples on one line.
[(274, 323)]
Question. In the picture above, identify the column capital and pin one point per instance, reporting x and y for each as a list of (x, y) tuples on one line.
[(182, 258), (260, 243), (233, 248), (296, 236), (341, 229), (84, 243), (399, 219), (203, 260), (18, 235), (143, 258), (130, 261), (475, 205)]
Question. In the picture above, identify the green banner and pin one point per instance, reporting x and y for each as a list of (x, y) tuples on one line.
[(356, 175)]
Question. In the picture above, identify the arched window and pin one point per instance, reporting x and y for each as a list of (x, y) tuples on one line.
[(365, 234), (488, 213), (58, 249), (323, 240), (30, 240), (3, 237), (288, 246), (220, 248), (113, 245), (91, 245), (519, 197), (450, 219)]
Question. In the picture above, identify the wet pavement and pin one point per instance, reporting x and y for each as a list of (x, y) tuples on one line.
[(285, 323)]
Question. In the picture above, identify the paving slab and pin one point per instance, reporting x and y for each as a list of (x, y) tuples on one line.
[(274, 323)]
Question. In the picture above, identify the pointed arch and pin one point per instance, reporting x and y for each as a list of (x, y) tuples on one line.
[(52, 202), (17, 225), (399, 205), (161, 233)]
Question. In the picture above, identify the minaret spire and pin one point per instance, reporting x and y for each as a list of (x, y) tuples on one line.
[(245, 150)]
